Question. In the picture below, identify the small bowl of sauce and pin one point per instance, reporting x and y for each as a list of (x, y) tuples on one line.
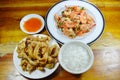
[(32, 24)]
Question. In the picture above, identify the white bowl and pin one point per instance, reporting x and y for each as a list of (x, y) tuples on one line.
[(76, 57), (29, 16), (88, 38)]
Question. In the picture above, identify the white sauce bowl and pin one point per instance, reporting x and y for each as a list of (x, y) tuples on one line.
[(76, 57), (29, 16)]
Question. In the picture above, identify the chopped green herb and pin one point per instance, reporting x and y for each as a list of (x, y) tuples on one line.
[(60, 23), (62, 12), (82, 8)]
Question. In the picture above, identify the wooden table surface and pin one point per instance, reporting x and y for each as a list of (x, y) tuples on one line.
[(106, 49)]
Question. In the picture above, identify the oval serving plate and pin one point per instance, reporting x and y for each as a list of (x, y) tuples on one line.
[(91, 9), (37, 74)]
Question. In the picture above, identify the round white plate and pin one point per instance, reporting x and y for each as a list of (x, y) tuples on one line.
[(35, 74), (91, 9)]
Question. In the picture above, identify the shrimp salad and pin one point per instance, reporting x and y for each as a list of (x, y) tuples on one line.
[(74, 21)]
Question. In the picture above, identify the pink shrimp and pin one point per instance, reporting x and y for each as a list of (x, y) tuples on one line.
[(65, 31), (84, 27), (90, 21), (83, 17), (72, 15), (69, 32), (67, 24), (79, 33), (75, 8), (57, 17), (70, 24), (75, 21), (75, 15)]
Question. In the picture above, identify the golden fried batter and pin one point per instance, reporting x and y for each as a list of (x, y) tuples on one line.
[(36, 53)]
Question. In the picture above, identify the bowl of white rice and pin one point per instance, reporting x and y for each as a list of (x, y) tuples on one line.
[(76, 57)]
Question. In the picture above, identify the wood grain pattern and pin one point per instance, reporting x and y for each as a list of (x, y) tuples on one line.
[(107, 60)]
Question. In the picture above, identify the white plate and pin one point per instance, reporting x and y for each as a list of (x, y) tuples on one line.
[(35, 74), (91, 9)]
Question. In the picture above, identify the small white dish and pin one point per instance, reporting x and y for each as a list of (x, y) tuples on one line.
[(91, 9), (29, 16), (76, 57), (35, 74)]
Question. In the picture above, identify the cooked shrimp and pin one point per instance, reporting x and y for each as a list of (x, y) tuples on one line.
[(74, 21), (57, 17), (83, 17), (69, 32)]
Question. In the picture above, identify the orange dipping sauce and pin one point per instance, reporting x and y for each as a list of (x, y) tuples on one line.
[(32, 24)]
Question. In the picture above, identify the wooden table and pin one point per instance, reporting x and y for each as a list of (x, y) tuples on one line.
[(106, 49)]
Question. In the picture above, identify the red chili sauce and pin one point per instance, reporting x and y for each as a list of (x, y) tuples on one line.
[(32, 24)]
